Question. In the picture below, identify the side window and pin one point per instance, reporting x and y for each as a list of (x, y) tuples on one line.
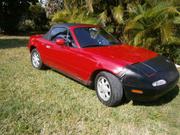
[(64, 33), (58, 33), (70, 41)]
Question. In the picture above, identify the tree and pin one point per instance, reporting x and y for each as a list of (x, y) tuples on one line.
[(38, 15), (52, 6), (11, 12), (152, 23)]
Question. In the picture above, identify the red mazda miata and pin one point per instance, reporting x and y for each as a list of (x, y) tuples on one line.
[(90, 55)]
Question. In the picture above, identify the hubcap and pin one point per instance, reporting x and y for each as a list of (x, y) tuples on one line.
[(103, 88), (35, 59)]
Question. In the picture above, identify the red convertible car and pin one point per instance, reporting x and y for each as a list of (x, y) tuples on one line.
[(90, 55)]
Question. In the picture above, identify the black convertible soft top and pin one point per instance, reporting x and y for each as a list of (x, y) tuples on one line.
[(65, 25)]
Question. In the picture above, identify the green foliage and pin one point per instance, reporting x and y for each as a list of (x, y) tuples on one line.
[(26, 25), (103, 18), (177, 20), (53, 6), (118, 14), (11, 12), (73, 16), (38, 15), (152, 25)]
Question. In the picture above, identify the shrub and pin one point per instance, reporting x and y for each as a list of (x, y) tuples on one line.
[(74, 16), (38, 15), (26, 25), (11, 12)]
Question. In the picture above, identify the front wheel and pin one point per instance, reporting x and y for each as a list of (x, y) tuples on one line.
[(36, 59), (109, 89)]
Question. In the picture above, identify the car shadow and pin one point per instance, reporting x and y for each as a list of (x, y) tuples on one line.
[(162, 100), (13, 42)]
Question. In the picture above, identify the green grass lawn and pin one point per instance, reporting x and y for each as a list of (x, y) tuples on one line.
[(45, 102)]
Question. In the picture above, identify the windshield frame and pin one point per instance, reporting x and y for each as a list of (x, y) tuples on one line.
[(78, 38)]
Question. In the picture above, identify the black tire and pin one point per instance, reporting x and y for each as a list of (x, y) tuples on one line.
[(116, 88), (40, 65)]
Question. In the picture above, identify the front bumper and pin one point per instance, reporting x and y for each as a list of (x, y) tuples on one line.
[(142, 78), (149, 94)]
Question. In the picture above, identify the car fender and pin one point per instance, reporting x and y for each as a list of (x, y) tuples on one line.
[(108, 67)]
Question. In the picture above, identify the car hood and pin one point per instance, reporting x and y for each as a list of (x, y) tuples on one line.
[(122, 54)]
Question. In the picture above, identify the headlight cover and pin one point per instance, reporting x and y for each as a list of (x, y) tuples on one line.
[(159, 83)]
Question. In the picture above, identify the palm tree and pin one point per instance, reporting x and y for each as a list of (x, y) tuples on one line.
[(151, 23)]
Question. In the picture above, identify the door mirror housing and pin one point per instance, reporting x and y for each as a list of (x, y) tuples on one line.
[(60, 41)]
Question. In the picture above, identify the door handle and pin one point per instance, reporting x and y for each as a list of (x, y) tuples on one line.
[(48, 46)]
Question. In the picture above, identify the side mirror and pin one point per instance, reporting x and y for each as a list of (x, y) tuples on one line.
[(60, 41)]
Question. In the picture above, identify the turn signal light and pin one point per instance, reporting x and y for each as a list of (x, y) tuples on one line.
[(137, 91)]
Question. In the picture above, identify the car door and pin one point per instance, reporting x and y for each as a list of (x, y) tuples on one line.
[(78, 64), (68, 58), (53, 57)]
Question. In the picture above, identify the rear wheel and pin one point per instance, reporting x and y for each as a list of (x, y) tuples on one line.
[(36, 59), (109, 89)]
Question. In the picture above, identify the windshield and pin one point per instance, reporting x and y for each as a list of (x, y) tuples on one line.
[(94, 37)]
